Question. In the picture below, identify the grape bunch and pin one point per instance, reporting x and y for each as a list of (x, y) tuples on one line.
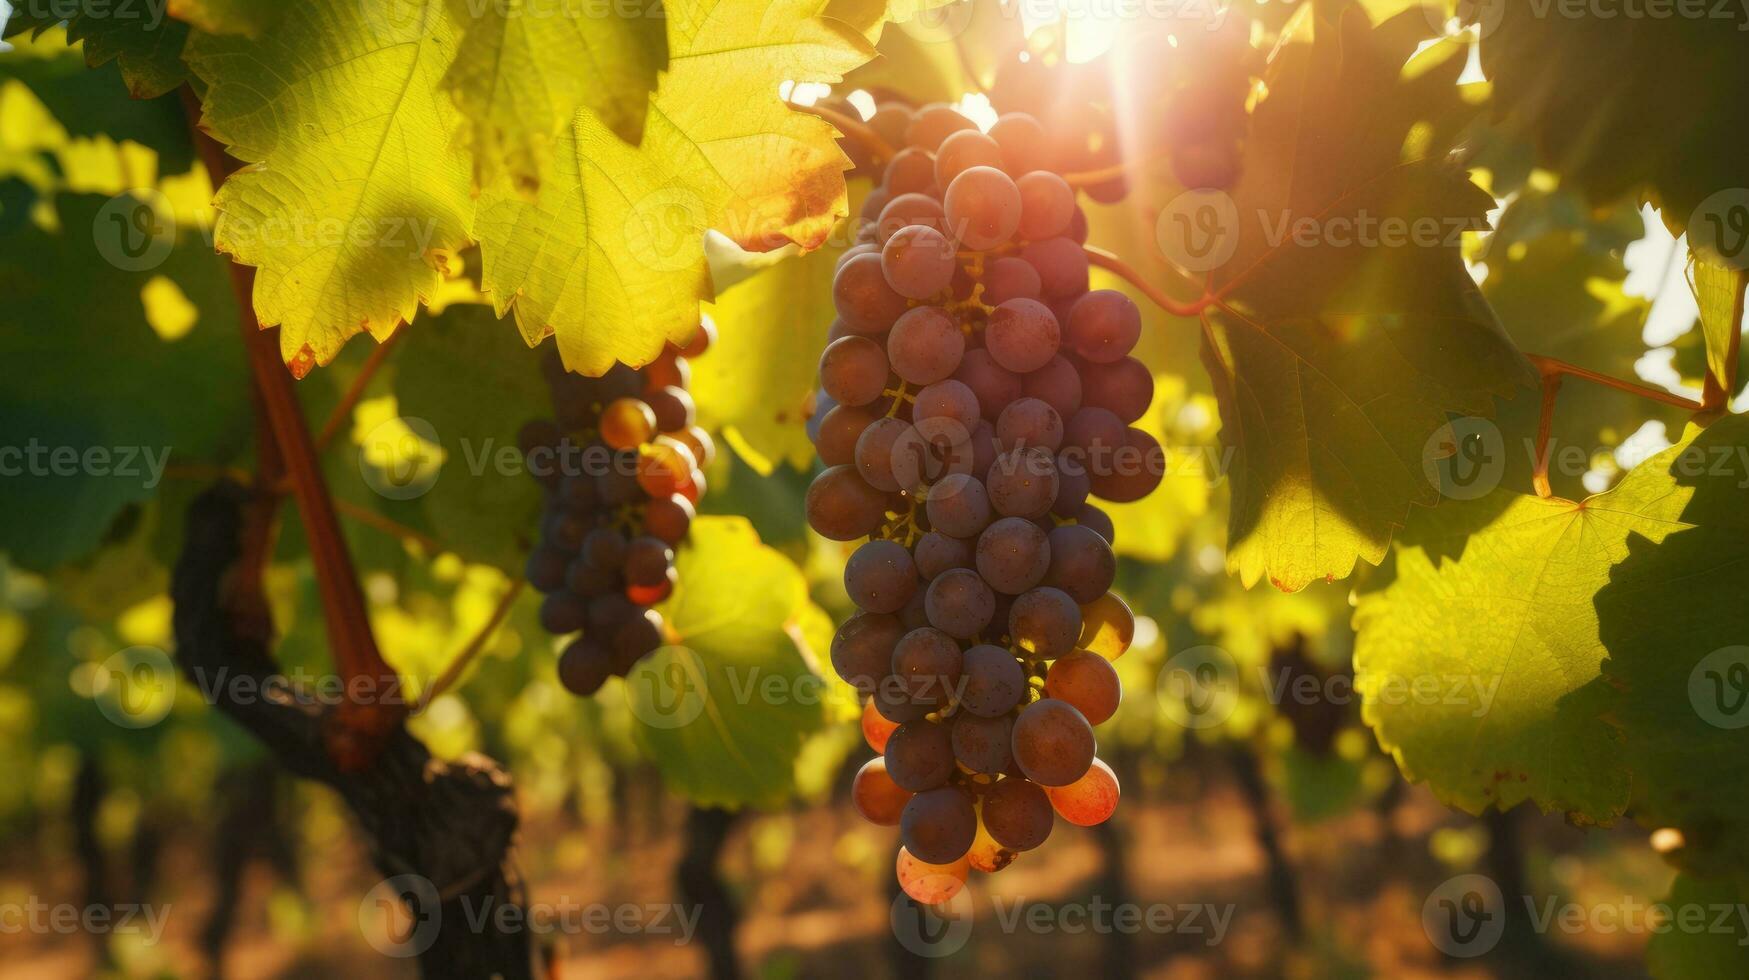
[(1206, 120), (621, 462), (973, 396)]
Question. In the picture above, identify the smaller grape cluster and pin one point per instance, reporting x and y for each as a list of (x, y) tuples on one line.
[(1206, 119), (973, 397), (621, 462)]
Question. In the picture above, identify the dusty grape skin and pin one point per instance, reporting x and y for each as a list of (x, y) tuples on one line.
[(920, 755), (1009, 278), (925, 346), (1057, 384), (1013, 555), (959, 505), (880, 800), (1022, 335), (1082, 563), (994, 385), (862, 650), (963, 150), (983, 208), (918, 262), (841, 506), (1047, 205), (1087, 681), (936, 553), (880, 577), (1103, 326), (1053, 744), (853, 371), (992, 681), (864, 301), (1018, 814), (938, 825), (960, 604), (928, 663), (984, 745), (1023, 483), (1090, 800)]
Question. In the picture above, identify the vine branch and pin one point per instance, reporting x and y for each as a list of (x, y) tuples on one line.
[(453, 672), (1111, 263), (854, 130), (1552, 371)]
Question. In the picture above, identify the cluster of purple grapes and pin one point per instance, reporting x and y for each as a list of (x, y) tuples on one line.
[(622, 463), (1206, 119), (974, 394)]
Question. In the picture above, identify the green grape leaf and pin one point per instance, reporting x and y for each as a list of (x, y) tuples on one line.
[(1718, 290), (355, 191), (1698, 942), (1675, 624), (474, 384), (1349, 330), (756, 400), (144, 42), (520, 75), (609, 255), (1621, 104), (1491, 611), (724, 711), (95, 434)]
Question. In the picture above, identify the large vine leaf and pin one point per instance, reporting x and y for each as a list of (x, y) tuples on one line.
[(520, 74), (146, 43), (1620, 104), (355, 189), (1336, 359), (1498, 593), (1675, 623), (1717, 948), (610, 253), (724, 710)]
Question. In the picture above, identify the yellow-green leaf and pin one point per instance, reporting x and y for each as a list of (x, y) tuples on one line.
[(1718, 290), (610, 253), (355, 189)]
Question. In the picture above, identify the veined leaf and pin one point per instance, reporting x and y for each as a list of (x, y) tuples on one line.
[(1717, 289), (354, 190), (522, 70), (1350, 331), (146, 43), (610, 254), (724, 711), (1480, 664)]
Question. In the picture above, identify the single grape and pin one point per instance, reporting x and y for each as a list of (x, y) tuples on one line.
[(933, 124), (951, 400), (938, 825), (875, 453), (1092, 517), (1061, 265), (1029, 422), (918, 262), (992, 681), (1057, 384), (928, 663), (962, 151), (936, 553), (1013, 555), (670, 370), (1045, 622), (894, 703), (637, 638), (649, 595), (959, 603), (648, 560), (1090, 800), (841, 506), (983, 208), (704, 451), (1018, 813), (925, 346), (910, 210), (930, 884), (1096, 434), (1023, 141), (584, 666), (839, 432), (1053, 744), (1104, 326), (1009, 278), (546, 567), (669, 518), (959, 506), (1107, 626), (1087, 681), (1082, 563), (627, 423), (876, 729), (1023, 483), (1047, 205), (992, 384), (862, 650), (890, 120), (864, 301), (1140, 465), (983, 745), (1123, 387), (880, 577), (929, 451), (1022, 335), (877, 797), (853, 370), (701, 339), (673, 408), (664, 467), (920, 755), (910, 171)]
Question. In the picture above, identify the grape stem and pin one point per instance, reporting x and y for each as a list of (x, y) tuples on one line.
[(1552, 370), (1111, 263), (851, 129), (453, 672)]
